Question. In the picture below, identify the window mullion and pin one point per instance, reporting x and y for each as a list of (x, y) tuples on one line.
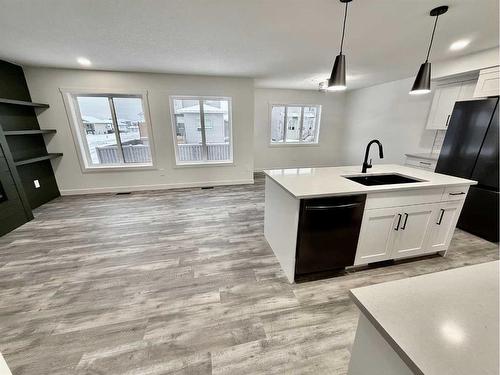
[(285, 127), (203, 135), (301, 125), (117, 130), (316, 125)]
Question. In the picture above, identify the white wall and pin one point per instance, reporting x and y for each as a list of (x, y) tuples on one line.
[(44, 85), (330, 137), (388, 113), (467, 63)]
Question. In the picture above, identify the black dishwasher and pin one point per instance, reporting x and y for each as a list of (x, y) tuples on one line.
[(328, 233)]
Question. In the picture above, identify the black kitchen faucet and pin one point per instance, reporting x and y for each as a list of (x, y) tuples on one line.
[(367, 165)]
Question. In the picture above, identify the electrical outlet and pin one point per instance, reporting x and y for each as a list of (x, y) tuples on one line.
[(37, 184)]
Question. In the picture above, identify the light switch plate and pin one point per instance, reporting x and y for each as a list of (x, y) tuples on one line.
[(37, 184)]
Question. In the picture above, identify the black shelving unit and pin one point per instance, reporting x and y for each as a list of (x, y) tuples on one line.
[(22, 102), (38, 159), (26, 170), (29, 132)]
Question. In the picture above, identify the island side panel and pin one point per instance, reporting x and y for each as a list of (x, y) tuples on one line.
[(281, 220), (371, 354)]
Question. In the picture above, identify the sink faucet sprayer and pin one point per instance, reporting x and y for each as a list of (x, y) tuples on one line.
[(367, 165)]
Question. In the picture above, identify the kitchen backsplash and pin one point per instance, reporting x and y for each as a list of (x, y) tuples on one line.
[(438, 141)]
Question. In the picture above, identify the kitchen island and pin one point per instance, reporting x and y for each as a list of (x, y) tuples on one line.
[(444, 323), (322, 219)]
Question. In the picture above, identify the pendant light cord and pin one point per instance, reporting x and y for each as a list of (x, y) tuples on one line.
[(343, 29), (432, 39)]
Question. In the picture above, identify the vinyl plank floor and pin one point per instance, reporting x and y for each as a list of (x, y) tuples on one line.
[(177, 282)]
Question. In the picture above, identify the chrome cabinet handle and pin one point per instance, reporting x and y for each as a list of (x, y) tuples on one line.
[(399, 222), (424, 163), (461, 193), (441, 214), (448, 120), (403, 227)]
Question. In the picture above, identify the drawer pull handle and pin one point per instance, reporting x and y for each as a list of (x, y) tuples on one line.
[(399, 222), (461, 193), (424, 163), (403, 227), (441, 214)]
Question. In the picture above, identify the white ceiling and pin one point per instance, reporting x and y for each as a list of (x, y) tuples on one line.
[(281, 43)]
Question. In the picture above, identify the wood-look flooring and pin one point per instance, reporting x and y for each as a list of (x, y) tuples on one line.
[(176, 282)]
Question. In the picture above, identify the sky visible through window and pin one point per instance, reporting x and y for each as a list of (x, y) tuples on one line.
[(99, 108)]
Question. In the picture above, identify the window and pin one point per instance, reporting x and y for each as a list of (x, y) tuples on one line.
[(202, 130), (111, 130), (295, 124)]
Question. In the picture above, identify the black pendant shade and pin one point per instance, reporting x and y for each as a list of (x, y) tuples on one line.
[(422, 84), (337, 78)]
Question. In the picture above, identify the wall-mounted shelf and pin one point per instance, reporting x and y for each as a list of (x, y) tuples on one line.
[(37, 159), (21, 102), (30, 132)]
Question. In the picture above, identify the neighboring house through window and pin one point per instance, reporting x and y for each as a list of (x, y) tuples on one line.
[(202, 129), (294, 124), (111, 130)]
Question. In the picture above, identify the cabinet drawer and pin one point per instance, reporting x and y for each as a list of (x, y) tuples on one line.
[(421, 163), (455, 193), (403, 198)]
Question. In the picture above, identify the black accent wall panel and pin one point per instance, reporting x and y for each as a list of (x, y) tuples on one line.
[(12, 213), (42, 172), (12, 82), (26, 146)]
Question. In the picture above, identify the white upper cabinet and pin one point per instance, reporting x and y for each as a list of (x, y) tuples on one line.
[(488, 83), (444, 100), (442, 106), (467, 90)]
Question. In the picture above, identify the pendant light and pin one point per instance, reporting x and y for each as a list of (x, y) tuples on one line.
[(337, 78), (422, 84)]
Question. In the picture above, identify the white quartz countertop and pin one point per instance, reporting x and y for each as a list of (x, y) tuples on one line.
[(442, 323), (329, 181)]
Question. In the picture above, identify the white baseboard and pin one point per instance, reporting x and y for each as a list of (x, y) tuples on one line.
[(178, 185)]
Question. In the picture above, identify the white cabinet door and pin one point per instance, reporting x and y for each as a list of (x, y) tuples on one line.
[(488, 83), (467, 90), (411, 238), (442, 106), (444, 220), (376, 235)]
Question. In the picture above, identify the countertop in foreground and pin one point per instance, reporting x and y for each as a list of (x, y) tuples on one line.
[(329, 181), (442, 323)]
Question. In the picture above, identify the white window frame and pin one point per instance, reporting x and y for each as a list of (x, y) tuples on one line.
[(204, 162), (300, 142), (78, 132)]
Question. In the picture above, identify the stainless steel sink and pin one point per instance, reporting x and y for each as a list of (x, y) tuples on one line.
[(382, 179)]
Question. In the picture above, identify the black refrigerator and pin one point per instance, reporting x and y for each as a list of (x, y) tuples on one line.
[(470, 150)]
